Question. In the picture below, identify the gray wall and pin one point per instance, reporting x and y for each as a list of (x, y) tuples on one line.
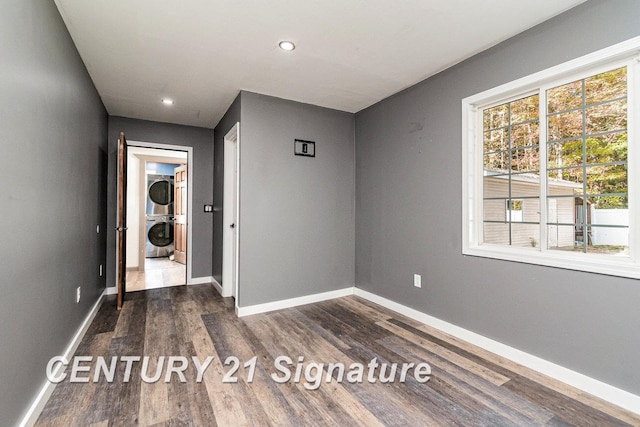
[(231, 117), (201, 139), (54, 130), (296, 213), (408, 204)]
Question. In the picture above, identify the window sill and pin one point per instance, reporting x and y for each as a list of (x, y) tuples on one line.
[(611, 265)]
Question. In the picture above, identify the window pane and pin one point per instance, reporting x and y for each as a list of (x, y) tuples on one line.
[(605, 86), (564, 189), (496, 140), (609, 240), (596, 229), (525, 135), (515, 234), (565, 125), (561, 210), (607, 212), (507, 221), (524, 109), (565, 181), (494, 210), (582, 212), (496, 117), (525, 235), (564, 97), (607, 179), (531, 210), (610, 201), (563, 237), (496, 233), (513, 210), (496, 163), (526, 185), (607, 117), (563, 154), (496, 186), (607, 148), (525, 160)]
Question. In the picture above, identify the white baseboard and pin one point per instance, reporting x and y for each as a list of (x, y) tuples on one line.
[(111, 291), (43, 396), (216, 285), (200, 280), (619, 397), (292, 302)]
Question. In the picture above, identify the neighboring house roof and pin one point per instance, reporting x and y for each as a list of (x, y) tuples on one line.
[(530, 178)]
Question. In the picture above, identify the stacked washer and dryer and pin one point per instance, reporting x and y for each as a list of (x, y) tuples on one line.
[(159, 216)]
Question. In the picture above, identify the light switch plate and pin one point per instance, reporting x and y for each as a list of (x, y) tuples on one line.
[(417, 280)]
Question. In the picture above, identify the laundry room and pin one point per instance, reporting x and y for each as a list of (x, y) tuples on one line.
[(156, 218)]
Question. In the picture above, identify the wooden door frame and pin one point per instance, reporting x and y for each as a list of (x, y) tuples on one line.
[(189, 151), (143, 158), (231, 142)]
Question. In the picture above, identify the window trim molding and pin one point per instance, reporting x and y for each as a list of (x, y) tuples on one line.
[(625, 53)]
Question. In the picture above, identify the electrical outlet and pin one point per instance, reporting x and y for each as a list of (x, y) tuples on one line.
[(417, 280), (78, 295)]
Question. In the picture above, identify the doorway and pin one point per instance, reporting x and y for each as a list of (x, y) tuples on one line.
[(151, 216), (231, 214)]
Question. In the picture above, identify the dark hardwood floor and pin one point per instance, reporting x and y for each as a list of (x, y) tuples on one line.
[(467, 387)]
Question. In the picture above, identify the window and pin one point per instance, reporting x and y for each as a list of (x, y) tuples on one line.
[(587, 145), (511, 145), (513, 212), (547, 164)]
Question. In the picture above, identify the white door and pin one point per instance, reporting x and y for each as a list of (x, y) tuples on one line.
[(230, 214)]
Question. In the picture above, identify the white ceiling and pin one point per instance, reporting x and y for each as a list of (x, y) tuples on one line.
[(349, 53)]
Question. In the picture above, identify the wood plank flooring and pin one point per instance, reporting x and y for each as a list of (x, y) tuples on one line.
[(468, 386)]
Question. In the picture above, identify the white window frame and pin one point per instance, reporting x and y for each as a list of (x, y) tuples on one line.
[(626, 54)]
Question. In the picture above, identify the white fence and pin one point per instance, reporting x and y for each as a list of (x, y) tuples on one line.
[(606, 235)]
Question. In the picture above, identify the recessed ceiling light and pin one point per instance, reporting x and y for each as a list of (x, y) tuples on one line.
[(167, 101), (286, 45)]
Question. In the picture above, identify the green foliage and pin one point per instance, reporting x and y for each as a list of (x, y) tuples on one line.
[(587, 136)]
